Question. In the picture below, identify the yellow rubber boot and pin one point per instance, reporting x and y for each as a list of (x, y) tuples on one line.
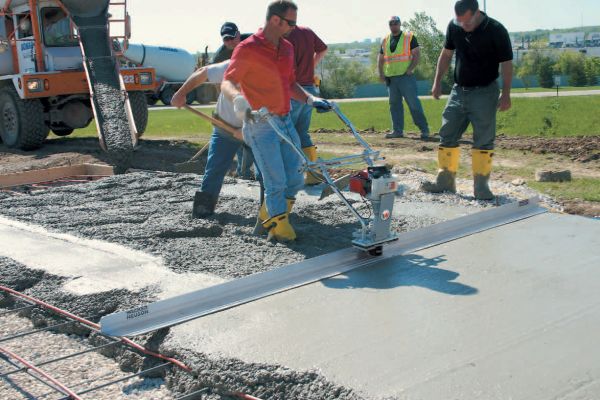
[(445, 181), (290, 204), (312, 178), (280, 229), (263, 215), (482, 168)]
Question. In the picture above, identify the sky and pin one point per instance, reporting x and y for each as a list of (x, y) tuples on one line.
[(193, 24)]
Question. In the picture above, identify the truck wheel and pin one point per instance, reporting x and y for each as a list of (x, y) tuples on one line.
[(190, 98), (62, 131), (139, 109), (22, 123), (151, 99), (166, 95)]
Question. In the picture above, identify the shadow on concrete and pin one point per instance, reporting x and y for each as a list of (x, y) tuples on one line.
[(408, 270)]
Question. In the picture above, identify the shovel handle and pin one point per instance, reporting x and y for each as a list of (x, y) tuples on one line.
[(218, 123)]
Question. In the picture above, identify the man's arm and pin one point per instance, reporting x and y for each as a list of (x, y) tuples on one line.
[(416, 55), (230, 89), (195, 80), (442, 67), (380, 67), (319, 56), (506, 69)]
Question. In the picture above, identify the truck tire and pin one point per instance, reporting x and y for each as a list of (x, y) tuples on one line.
[(22, 123), (190, 98), (166, 95), (151, 99), (62, 131)]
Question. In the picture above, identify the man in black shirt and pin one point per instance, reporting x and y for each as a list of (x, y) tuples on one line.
[(398, 57), (482, 45), (231, 38)]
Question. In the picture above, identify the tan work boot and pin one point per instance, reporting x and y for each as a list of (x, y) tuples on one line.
[(312, 178), (482, 168), (280, 229), (448, 166), (263, 215)]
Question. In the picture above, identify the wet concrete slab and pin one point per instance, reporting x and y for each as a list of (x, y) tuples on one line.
[(513, 312)]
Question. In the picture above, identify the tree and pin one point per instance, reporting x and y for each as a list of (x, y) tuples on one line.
[(340, 77), (546, 72), (431, 43), (592, 70), (572, 64)]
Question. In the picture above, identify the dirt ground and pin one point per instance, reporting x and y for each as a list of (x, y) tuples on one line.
[(579, 154)]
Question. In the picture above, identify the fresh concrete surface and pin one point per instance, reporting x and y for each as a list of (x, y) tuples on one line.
[(93, 266), (509, 313)]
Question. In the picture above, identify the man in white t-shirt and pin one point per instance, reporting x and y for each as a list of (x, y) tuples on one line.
[(223, 146)]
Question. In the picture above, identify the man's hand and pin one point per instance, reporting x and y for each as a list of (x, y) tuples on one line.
[(321, 105), (436, 90), (178, 99), (241, 106), (504, 104)]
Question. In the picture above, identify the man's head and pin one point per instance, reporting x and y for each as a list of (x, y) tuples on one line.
[(230, 35), (282, 15), (395, 25), (467, 14)]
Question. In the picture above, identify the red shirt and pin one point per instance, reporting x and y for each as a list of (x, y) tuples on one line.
[(264, 72), (306, 44)]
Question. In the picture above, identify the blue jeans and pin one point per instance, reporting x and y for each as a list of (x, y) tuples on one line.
[(301, 115), (475, 105), (405, 86), (278, 162), (220, 156)]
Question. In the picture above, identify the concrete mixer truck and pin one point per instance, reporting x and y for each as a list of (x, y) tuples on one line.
[(56, 68), (173, 66)]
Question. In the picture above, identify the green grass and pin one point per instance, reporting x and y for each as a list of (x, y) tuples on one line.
[(544, 116), (579, 188)]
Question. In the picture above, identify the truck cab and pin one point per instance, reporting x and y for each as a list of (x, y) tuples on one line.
[(43, 82)]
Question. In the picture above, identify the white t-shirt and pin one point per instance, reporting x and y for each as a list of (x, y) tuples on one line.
[(215, 73)]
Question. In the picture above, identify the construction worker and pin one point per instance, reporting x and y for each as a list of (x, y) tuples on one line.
[(231, 36), (482, 44), (397, 60), (309, 50), (261, 74), (222, 147)]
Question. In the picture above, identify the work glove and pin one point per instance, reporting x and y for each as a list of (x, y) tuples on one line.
[(321, 105), (241, 106)]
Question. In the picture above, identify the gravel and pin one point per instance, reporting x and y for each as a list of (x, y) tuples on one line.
[(151, 211)]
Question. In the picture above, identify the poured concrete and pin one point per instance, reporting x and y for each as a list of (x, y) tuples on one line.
[(509, 313)]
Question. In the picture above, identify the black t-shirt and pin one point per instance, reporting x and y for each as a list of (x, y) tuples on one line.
[(394, 43), (223, 53), (479, 53)]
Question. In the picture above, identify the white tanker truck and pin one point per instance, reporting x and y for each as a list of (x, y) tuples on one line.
[(173, 66)]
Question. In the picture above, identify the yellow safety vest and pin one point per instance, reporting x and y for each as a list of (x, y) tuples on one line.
[(397, 62)]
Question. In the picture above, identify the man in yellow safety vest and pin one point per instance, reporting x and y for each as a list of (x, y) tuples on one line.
[(397, 60)]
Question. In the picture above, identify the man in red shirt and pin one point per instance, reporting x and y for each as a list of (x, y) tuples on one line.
[(261, 74), (309, 50)]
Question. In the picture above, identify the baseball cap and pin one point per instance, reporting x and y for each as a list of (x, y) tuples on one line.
[(394, 19), (229, 29)]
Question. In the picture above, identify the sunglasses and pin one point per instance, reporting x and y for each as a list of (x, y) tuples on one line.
[(290, 22), (228, 38), (394, 23)]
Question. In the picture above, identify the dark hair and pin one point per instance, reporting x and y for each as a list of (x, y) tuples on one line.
[(280, 7), (462, 6)]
